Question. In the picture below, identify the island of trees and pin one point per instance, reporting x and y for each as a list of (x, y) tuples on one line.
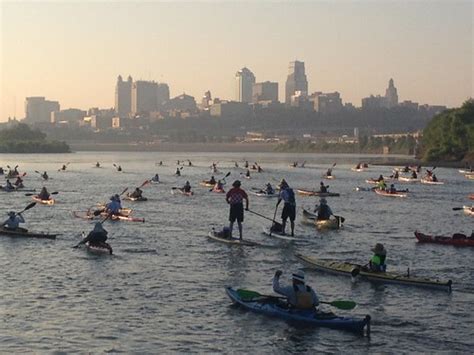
[(22, 139), (449, 136)]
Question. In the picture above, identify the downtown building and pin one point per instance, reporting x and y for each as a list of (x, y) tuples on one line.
[(244, 80), (296, 82), (265, 92), (39, 110)]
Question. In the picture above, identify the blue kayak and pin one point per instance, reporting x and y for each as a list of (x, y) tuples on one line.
[(277, 308)]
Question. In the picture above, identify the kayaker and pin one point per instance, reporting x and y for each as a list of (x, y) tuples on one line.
[(414, 175), (392, 189), (246, 165), (323, 210), (178, 172), (160, 163), (13, 221), (329, 172), (219, 186), (396, 175), (365, 165), (189, 163), (45, 176), (299, 295), (114, 206), (381, 185), (9, 185), (269, 190), (97, 165), (429, 174), (63, 167), (19, 182), (156, 178), (212, 180), (2, 172), (44, 194), (119, 168), (358, 166), (187, 187), (247, 174), (235, 198), (137, 193), (259, 169), (377, 263), (380, 178), (434, 178), (97, 237), (323, 188), (236, 164), (254, 167), (289, 208)]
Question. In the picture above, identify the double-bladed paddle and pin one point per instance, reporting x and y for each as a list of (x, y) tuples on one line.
[(52, 193), (248, 295), (31, 205)]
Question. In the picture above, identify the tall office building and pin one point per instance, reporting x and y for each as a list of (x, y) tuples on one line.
[(144, 97), (38, 109), (162, 94), (296, 80), (123, 96), (244, 79), (266, 91), (391, 96)]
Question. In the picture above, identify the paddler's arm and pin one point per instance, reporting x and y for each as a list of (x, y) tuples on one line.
[(86, 239), (285, 291), (246, 197), (20, 218)]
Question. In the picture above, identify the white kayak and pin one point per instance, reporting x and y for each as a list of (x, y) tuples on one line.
[(407, 179), (469, 210), (431, 182)]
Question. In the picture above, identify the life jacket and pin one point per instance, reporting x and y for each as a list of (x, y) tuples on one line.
[(304, 299), (323, 212), (96, 238), (377, 263)]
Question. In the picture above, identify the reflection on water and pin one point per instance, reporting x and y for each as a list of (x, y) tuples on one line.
[(164, 287)]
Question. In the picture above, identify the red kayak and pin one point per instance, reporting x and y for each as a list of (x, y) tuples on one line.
[(459, 240)]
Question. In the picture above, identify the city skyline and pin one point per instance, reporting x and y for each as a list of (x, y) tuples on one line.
[(433, 64)]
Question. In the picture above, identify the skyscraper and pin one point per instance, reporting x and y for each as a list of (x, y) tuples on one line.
[(391, 96), (123, 97), (244, 79), (266, 91), (144, 97), (296, 80)]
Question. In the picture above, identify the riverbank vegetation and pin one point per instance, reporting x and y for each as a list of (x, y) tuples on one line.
[(450, 135), (22, 139)]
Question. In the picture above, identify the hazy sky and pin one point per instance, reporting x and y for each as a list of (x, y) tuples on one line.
[(73, 51)]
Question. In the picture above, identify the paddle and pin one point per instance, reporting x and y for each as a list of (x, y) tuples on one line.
[(458, 208), (273, 220), (31, 205), (340, 220), (340, 304), (64, 165), (52, 193), (223, 181)]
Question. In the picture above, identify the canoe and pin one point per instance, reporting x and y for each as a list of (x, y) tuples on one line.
[(233, 241), (99, 249), (456, 241), (317, 193), (275, 307), (430, 182), (391, 194), (135, 199), (285, 237), (468, 210), (87, 215), (407, 179), (346, 268), (263, 194), (44, 202), (311, 219), (22, 233)]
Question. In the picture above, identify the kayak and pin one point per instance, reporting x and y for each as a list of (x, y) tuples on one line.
[(357, 169), (44, 202), (407, 179), (349, 269), (99, 249), (182, 192), (431, 182), (262, 193), (468, 210), (246, 177), (219, 191), (317, 193), (399, 193), (329, 177), (277, 235), (24, 233), (233, 241), (135, 199), (123, 211), (206, 184), (311, 219), (276, 307), (469, 176), (466, 171), (471, 196), (459, 240), (87, 215)]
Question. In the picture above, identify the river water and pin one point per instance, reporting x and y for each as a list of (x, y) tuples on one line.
[(163, 290)]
